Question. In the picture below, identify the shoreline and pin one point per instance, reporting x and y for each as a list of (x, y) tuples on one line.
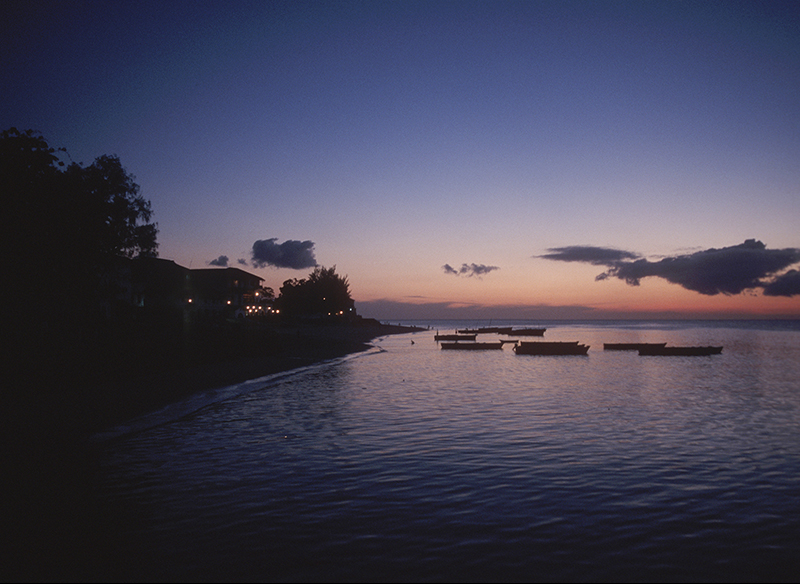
[(284, 348), (49, 419), (57, 403)]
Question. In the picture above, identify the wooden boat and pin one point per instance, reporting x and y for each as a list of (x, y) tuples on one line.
[(630, 346), (455, 337), (550, 348), (472, 346), (502, 330), (484, 330), (680, 351), (527, 332)]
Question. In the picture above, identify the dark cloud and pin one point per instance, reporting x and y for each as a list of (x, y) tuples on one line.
[(220, 261), (289, 254), (241, 262), (787, 284), (729, 270), (469, 269), (598, 256)]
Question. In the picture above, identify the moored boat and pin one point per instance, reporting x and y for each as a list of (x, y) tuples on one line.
[(487, 329), (527, 332), (551, 348), (455, 337), (630, 346), (680, 351), (472, 346)]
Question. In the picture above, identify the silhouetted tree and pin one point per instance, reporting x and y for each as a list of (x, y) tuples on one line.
[(324, 293), (116, 214), (267, 293), (74, 219), (66, 227)]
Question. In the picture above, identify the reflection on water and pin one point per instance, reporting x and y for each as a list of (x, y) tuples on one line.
[(412, 463)]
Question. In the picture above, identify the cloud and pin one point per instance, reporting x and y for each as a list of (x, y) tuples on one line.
[(469, 269), (598, 256), (241, 262), (787, 284), (289, 254), (220, 261), (729, 270)]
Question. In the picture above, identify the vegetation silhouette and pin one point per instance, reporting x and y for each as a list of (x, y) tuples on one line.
[(79, 358), (85, 358), (67, 225), (324, 294)]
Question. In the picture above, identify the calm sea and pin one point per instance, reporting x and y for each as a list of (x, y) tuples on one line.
[(409, 463)]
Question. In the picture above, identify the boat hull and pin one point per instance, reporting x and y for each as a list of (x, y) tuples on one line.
[(527, 333), (456, 337), (486, 330), (680, 351), (551, 348), (471, 346), (631, 346)]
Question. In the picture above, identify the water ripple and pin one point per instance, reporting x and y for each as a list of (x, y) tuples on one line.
[(412, 463)]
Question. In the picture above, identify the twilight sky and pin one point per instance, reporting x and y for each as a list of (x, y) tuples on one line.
[(452, 159)]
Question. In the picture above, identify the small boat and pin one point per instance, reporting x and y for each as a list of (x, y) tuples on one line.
[(680, 351), (487, 329), (472, 346), (502, 330), (630, 346), (550, 348), (527, 332), (455, 337)]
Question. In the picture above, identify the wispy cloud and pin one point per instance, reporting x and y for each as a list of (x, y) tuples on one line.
[(598, 256), (469, 269), (289, 254), (729, 270)]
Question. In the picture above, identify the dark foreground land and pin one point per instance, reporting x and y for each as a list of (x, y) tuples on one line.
[(59, 396)]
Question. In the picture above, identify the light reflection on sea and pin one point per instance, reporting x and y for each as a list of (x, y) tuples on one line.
[(412, 463)]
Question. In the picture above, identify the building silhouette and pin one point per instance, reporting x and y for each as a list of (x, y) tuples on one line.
[(158, 284)]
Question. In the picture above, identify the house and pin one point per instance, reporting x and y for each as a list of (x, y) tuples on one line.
[(223, 289), (159, 284)]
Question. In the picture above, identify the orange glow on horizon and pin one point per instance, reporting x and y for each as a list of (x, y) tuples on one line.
[(610, 299)]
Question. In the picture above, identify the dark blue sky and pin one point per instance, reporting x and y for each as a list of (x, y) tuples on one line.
[(392, 139)]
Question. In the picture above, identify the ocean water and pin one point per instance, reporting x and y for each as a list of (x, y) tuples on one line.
[(409, 463)]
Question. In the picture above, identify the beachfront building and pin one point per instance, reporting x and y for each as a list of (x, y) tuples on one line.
[(159, 284), (225, 291)]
